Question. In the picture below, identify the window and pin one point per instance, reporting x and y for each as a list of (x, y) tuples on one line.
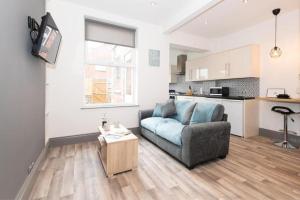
[(110, 64)]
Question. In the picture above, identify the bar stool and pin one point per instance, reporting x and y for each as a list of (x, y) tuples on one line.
[(286, 112)]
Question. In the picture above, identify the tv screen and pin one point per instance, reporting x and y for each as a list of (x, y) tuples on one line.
[(48, 41)]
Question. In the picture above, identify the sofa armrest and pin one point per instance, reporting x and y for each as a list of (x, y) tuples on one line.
[(143, 114), (205, 140)]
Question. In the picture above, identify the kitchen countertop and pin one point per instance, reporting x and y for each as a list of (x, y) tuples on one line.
[(297, 101), (218, 97)]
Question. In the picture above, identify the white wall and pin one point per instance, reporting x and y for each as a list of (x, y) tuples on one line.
[(281, 72), (65, 90), (66, 85)]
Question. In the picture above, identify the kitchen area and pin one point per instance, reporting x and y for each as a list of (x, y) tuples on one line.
[(230, 78)]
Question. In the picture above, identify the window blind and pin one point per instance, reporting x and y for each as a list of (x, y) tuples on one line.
[(108, 33)]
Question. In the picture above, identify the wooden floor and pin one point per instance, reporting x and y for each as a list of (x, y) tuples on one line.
[(254, 169)]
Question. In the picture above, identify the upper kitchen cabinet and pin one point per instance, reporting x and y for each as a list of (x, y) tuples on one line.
[(244, 62), (219, 65), (191, 70), (237, 63), (198, 69)]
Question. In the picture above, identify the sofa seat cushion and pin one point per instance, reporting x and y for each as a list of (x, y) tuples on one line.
[(207, 112), (170, 129), (184, 110), (151, 123)]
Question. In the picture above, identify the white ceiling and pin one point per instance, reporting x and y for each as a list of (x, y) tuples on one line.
[(142, 10), (233, 15), (187, 49)]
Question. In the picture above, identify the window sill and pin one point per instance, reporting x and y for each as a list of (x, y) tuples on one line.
[(97, 106)]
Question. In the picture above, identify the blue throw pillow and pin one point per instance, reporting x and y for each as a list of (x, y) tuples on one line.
[(168, 109), (164, 110), (207, 112), (184, 110), (157, 110)]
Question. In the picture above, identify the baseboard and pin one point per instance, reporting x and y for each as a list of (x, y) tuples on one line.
[(73, 139), (28, 184), (278, 136)]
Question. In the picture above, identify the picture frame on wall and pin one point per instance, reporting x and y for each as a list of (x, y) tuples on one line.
[(154, 58), (273, 92)]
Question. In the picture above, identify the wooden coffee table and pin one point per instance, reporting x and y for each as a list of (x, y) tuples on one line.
[(117, 154)]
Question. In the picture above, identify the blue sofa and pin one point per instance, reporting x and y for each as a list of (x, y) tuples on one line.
[(198, 132)]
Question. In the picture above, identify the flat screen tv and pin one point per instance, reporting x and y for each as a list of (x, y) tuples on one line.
[(46, 45)]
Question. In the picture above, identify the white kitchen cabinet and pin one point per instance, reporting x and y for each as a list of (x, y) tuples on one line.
[(244, 62), (197, 70), (241, 62), (242, 114), (219, 65), (191, 71), (200, 99), (188, 70), (235, 111), (185, 98), (204, 68)]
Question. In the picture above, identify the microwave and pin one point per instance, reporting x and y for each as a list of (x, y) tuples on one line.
[(219, 91)]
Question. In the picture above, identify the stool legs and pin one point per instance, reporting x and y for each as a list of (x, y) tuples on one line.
[(285, 143)]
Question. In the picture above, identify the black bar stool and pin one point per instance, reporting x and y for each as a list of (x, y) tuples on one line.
[(286, 112)]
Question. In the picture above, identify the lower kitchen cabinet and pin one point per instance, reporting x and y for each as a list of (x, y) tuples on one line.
[(243, 115), (235, 111)]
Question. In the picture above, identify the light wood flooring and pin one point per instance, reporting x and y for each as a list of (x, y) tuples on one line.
[(254, 169)]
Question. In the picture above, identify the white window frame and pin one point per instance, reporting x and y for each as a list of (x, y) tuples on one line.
[(134, 87), (134, 84)]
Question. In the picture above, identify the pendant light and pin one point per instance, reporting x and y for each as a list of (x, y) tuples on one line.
[(276, 51)]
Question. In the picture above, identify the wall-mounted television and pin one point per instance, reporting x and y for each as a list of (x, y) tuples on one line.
[(46, 38)]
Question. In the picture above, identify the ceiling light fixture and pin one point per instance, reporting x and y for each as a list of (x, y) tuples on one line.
[(153, 3), (275, 51), (245, 1)]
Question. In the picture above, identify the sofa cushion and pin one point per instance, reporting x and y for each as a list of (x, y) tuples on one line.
[(168, 109), (207, 112), (157, 112), (164, 109), (151, 123), (170, 129), (184, 110)]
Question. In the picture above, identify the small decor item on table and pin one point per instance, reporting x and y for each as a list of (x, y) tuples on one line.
[(104, 120), (106, 127), (117, 124), (273, 92), (189, 92)]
